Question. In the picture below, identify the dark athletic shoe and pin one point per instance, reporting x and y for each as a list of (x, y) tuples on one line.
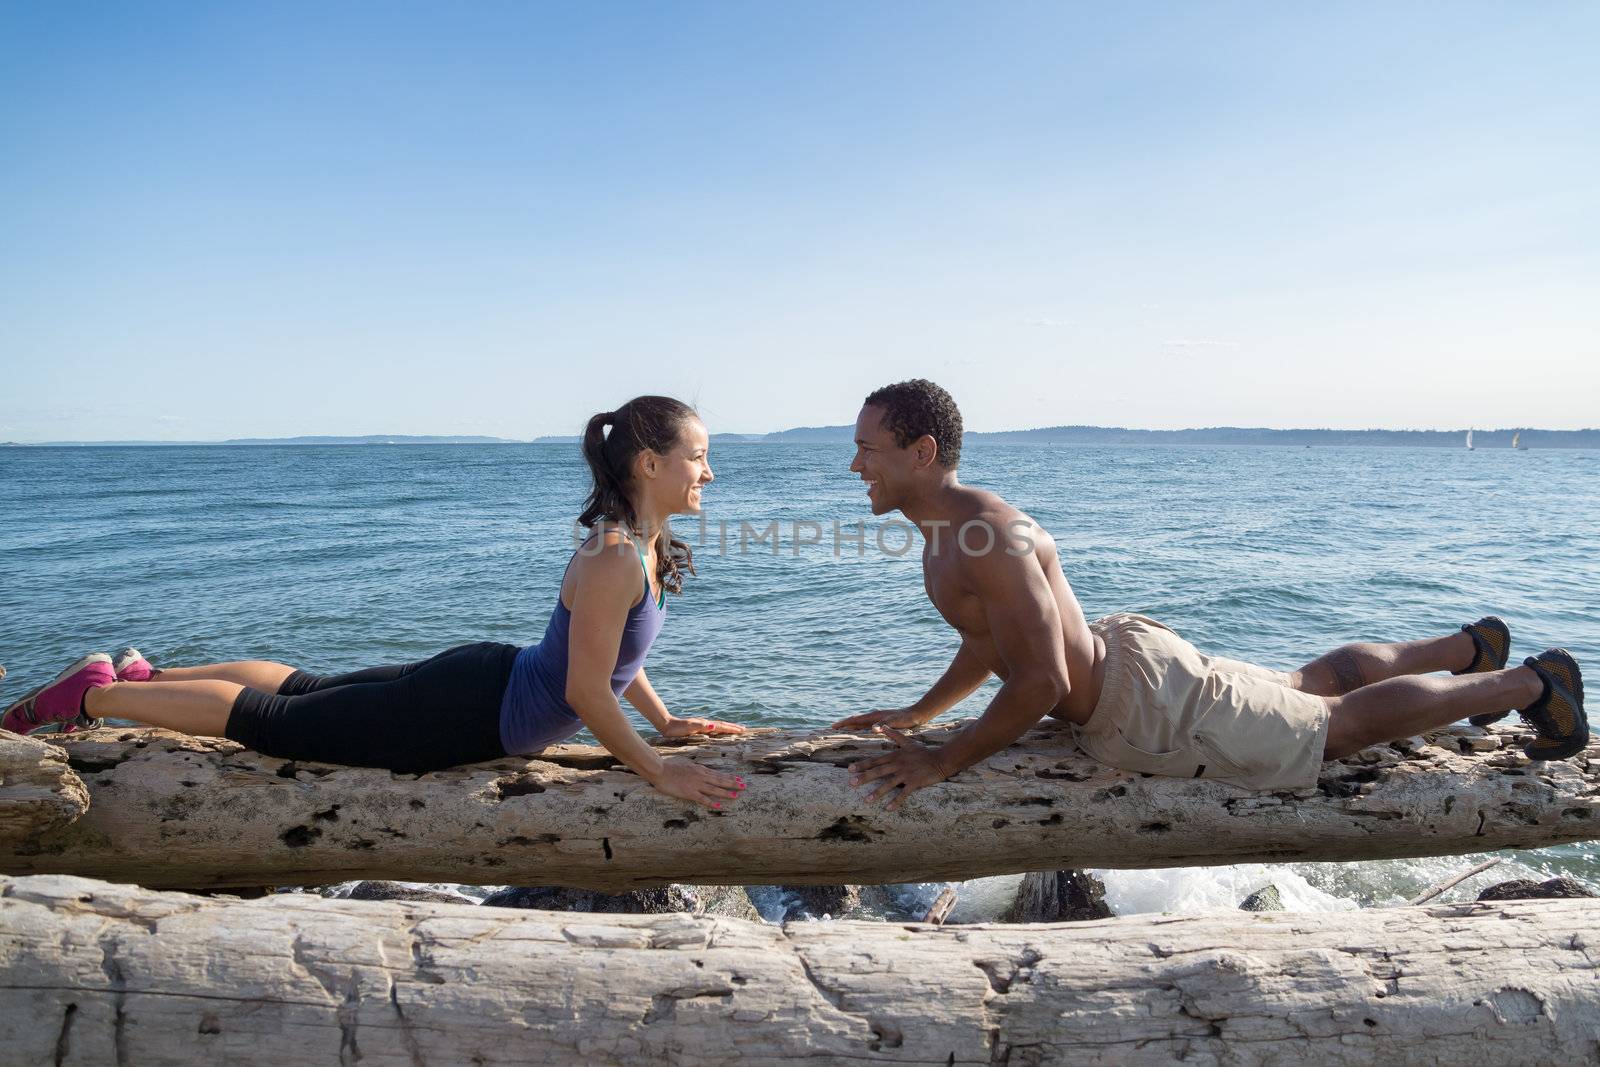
[(1492, 639), (1558, 713)]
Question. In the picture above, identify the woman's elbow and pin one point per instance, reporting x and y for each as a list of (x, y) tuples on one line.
[(581, 696)]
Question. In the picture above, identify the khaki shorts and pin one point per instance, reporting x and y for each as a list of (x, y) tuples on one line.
[(1166, 708)]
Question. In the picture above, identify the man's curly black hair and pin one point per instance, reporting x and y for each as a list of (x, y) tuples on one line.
[(916, 407)]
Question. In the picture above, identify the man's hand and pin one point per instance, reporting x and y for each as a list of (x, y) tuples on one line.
[(904, 718), (907, 768), (688, 727)]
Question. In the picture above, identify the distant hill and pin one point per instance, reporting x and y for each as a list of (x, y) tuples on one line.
[(370, 439), (1220, 436), (373, 439), (1242, 435), (813, 434)]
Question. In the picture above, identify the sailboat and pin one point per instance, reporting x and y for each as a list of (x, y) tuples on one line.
[(1469, 440), (1516, 439)]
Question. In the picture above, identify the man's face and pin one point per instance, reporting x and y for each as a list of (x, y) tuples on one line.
[(882, 464)]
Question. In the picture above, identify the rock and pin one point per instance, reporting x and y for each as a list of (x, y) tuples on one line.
[(729, 900), (1266, 898), (664, 900), (399, 891), (1059, 896), (881, 903), (815, 901), (1081, 896), (1528, 889)]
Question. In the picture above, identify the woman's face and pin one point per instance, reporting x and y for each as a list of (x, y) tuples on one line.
[(684, 472)]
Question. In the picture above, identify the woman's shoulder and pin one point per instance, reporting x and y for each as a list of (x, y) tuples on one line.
[(608, 539), (608, 561)]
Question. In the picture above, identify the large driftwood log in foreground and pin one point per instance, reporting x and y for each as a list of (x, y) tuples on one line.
[(92, 973), (174, 811), (38, 791)]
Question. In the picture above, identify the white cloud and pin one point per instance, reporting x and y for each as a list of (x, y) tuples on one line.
[(1199, 343), (1045, 320)]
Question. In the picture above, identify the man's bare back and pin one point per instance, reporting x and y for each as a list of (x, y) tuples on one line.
[(982, 522)]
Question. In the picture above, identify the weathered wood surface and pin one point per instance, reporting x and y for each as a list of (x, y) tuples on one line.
[(38, 791), (92, 973), (175, 811)]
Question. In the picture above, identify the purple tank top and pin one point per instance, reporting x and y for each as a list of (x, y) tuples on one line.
[(534, 712)]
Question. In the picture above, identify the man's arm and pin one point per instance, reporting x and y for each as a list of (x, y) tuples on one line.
[(965, 673), (1025, 627)]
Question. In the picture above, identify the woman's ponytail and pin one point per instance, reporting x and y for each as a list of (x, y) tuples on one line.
[(608, 498), (653, 422)]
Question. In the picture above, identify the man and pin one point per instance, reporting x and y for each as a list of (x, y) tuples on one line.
[(1139, 696)]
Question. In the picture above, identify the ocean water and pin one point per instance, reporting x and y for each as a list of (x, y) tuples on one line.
[(337, 557)]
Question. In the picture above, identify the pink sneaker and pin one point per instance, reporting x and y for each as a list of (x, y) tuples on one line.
[(131, 666), (61, 700)]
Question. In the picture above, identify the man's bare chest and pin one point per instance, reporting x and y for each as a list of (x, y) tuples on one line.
[(953, 599)]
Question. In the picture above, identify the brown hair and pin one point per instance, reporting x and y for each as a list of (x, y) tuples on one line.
[(653, 422)]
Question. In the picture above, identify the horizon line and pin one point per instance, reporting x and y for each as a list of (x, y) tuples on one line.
[(410, 438)]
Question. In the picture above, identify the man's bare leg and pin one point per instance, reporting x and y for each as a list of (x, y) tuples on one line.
[(1364, 663), (197, 707), (1411, 705), (251, 673)]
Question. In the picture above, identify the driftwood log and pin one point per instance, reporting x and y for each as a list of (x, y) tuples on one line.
[(92, 973), (38, 791), (173, 811)]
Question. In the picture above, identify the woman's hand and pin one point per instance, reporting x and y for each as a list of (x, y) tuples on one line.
[(689, 781), (904, 718), (689, 727)]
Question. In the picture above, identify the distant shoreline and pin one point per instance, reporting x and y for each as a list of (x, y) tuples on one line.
[(1218, 436)]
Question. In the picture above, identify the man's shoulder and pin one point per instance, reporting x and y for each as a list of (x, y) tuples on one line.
[(984, 505), (991, 509)]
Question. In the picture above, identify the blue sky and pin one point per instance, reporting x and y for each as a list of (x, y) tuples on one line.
[(261, 219)]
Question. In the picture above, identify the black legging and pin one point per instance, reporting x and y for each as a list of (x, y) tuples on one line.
[(411, 718)]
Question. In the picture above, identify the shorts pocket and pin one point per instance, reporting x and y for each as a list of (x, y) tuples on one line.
[(1115, 750), (1214, 762)]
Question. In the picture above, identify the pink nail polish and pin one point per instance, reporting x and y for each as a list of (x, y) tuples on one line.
[(716, 805)]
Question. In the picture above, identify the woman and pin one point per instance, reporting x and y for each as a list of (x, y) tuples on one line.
[(648, 460)]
